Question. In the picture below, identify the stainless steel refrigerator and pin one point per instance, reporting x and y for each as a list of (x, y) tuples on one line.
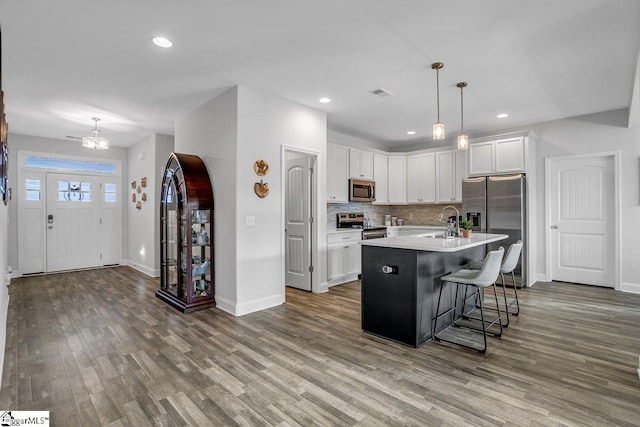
[(497, 204)]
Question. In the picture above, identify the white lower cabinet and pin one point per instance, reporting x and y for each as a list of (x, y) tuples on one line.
[(343, 257)]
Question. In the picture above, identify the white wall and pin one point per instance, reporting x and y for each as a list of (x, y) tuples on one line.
[(603, 132), (230, 133), (146, 159), (71, 148), (265, 124), (210, 132)]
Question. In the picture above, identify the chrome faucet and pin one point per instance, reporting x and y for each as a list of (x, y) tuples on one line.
[(441, 217)]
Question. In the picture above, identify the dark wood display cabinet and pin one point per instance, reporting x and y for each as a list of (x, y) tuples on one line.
[(186, 234)]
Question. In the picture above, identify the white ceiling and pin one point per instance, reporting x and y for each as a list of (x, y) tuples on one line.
[(65, 61)]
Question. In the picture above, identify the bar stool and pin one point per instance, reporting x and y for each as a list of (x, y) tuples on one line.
[(479, 279), (508, 266)]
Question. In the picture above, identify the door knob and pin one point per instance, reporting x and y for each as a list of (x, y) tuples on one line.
[(554, 227), (50, 227)]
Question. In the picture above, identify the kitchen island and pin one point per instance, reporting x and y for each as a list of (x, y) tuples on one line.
[(401, 281)]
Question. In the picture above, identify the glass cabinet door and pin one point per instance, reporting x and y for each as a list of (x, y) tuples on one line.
[(171, 241), (201, 256)]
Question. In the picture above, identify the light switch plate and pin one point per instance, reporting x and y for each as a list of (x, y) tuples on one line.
[(250, 221)]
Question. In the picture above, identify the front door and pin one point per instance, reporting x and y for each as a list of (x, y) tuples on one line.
[(73, 222), (582, 222), (297, 223)]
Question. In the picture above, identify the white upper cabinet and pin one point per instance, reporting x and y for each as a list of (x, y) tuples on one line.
[(381, 177), (451, 169), (397, 179), (421, 178), (496, 157), (337, 174), (360, 164)]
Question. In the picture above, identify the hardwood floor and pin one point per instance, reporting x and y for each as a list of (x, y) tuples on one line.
[(97, 348)]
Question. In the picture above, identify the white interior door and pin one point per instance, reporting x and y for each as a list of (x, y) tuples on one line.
[(73, 222), (582, 220), (297, 223)]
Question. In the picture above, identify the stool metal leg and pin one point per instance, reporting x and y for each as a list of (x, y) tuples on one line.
[(506, 303), (515, 291)]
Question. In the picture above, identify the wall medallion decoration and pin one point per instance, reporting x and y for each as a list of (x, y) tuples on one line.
[(144, 197), (261, 167), (261, 189), (134, 184), (133, 197), (139, 190), (139, 205), (143, 181)]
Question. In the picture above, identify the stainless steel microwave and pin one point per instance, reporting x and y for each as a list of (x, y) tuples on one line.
[(362, 190)]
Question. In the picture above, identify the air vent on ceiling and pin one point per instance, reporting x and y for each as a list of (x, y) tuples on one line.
[(381, 92)]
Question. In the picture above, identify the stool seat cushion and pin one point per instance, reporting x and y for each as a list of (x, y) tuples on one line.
[(466, 276)]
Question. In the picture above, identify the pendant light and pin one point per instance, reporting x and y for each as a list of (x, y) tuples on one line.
[(463, 140), (438, 128), (95, 141)]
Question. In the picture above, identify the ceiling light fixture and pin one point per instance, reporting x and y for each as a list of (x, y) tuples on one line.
[(502, 116), (95, 141), (162, 42), (411, 132), (324, 100), (438, 128), (463, 140)]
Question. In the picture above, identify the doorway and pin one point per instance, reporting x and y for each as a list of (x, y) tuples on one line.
[(582, 219), (300, 211), (67, 219)]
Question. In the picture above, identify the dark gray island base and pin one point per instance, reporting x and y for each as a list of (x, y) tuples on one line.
[(400, 287)]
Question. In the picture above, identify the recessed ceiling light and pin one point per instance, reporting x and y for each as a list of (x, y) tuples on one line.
[(161, 41), (502, 116), (324, 100), (411, 132)]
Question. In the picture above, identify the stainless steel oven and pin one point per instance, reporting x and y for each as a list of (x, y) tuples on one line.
[(374, 233), (357, 220)]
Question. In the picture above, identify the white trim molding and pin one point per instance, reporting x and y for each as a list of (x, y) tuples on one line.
[(142, 269), (3, 335)]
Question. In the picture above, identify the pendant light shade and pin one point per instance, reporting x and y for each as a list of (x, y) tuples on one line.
[(438, 128), (95, 141), (463, 140)]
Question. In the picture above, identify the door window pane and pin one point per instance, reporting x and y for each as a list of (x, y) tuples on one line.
[(32, 189), (110, 193), (74, 191), (70, 165)]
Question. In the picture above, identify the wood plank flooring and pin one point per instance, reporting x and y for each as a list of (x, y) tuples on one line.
[(97, 348)]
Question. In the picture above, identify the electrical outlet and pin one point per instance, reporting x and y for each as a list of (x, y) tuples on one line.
[(250, 221)]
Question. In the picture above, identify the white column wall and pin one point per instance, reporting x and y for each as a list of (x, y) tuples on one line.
[(265, 124), (210, 132), (230, 133)]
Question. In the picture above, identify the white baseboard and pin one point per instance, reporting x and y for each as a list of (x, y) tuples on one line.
[(226, 305), (540, 277), (3, 335), (259, 304), (248, 307), (142, 269), (633, 288), (324, 287)]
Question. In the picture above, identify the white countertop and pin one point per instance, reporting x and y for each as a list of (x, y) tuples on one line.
[(427, 242)]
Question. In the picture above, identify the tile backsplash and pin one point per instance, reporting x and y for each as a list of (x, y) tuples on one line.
[(411, 214)]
